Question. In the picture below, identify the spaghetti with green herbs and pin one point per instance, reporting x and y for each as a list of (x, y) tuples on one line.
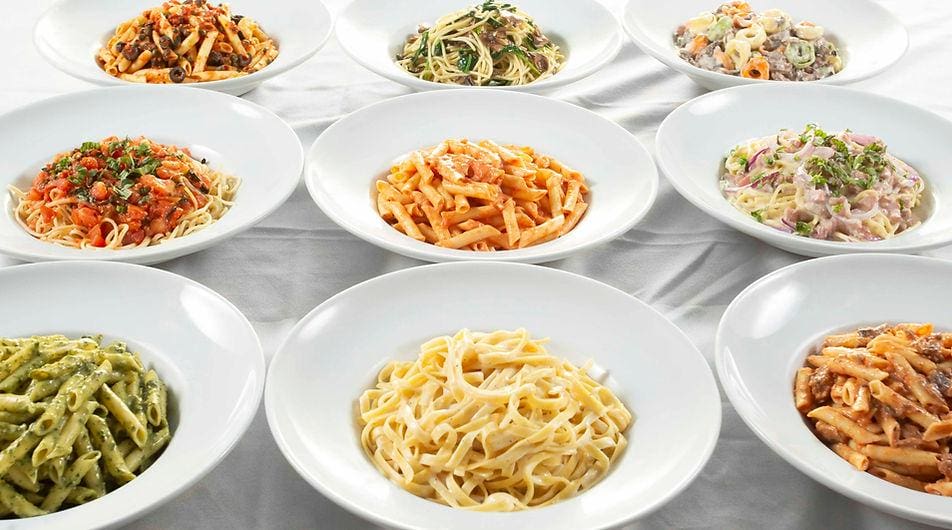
[(490, 44)]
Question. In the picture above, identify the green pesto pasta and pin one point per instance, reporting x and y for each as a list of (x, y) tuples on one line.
[(78, 419)]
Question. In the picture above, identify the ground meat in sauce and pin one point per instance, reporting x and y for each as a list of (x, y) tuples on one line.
[(941, 379), (821, 382), (869, 333), (930, 347), (945, 465), (829, 433)]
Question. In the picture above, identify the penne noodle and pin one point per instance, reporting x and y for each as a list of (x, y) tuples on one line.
[(189, 42), (480, 196), (855, 458), (844, 425), (896, 478)]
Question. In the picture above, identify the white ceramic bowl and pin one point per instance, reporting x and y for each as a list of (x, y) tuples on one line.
[(71, 32), (870, 38), (335, 352), (200, 345), (353, 153), (693, 141), (373, 33), (767, 331), (236, 136)]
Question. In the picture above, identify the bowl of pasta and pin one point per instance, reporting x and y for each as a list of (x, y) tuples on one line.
[(140, 174), (492, 413), (512, 185), (107, 407), (529, 45), (194, 43), (830, 171), (719, 43), (846, 376)]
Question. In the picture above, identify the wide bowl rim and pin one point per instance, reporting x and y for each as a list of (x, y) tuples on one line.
[(281, 437)]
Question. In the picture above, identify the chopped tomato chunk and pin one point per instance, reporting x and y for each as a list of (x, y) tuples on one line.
[(158, 226), (132, 214), (47, 213), (96, 236), (85, 216), (89, 162), (99, 191), (134, 237)]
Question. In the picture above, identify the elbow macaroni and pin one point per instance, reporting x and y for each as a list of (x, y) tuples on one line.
[(64, 404)]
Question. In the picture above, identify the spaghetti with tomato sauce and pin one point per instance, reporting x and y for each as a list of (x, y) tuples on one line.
[(123, 193)]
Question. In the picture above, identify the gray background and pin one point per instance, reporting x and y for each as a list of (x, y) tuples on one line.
[(678, 259)]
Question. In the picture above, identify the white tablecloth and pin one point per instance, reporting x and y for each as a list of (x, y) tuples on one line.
[(678, 260)]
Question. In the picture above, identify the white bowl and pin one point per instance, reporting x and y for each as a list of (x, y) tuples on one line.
[(373, 33), (766, 332), (354, 152), (693, 141), (870, 38), (71, 32), (198, 342), (236, 136), (334, 353)]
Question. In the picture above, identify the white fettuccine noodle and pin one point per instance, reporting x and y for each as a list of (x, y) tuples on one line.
[(491, 422)]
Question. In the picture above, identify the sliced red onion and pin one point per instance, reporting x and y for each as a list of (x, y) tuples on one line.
[(824, 152), (753, 159), (862, 216), (806, 151), (785, 228), (862, 139)]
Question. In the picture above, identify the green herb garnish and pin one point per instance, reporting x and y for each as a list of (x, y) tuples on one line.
[(89, 146), (422, 49), (466, 61)]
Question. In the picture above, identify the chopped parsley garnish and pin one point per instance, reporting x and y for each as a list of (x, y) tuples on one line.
[(148, 166), (491, 5), (842, 168), (62, 164), (742, 160), (83, 195), (118, 145), (143, 149), (817, 134), (758, 215), (89, 146), (804, 229), (838, 207), (79, 176), (123, 189)]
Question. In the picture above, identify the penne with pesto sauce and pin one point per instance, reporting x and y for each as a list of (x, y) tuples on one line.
[(78, 419)]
